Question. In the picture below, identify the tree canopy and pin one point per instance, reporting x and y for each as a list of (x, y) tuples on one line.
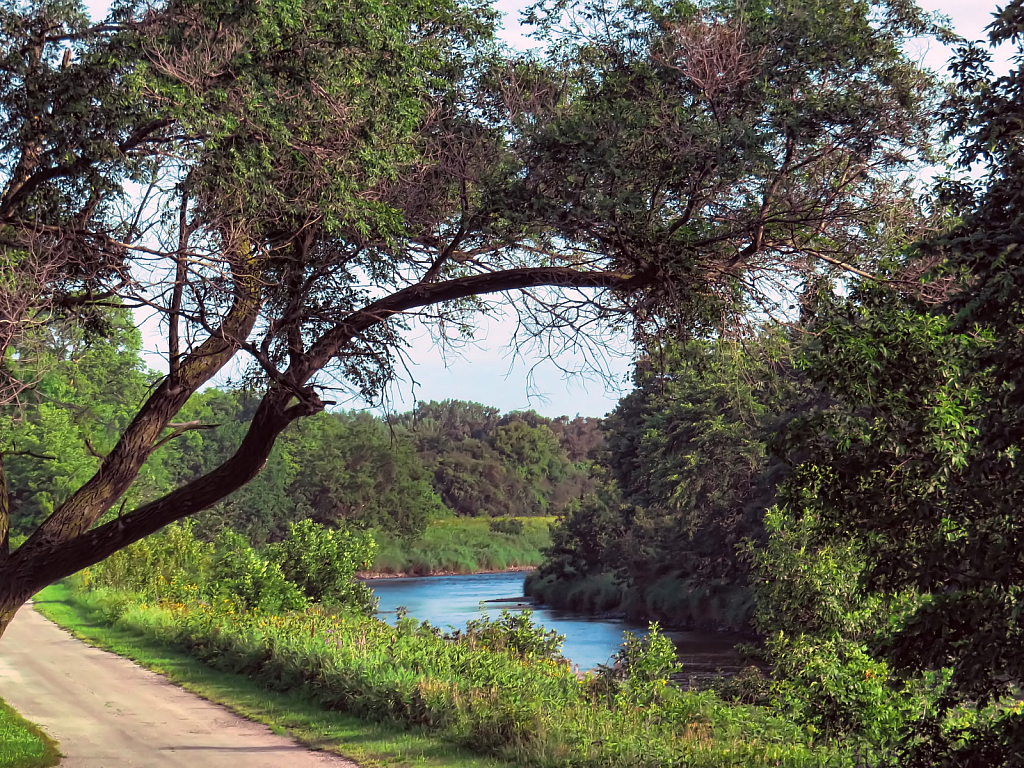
[(288, 183)]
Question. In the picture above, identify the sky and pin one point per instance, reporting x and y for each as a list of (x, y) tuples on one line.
[(490, 372)]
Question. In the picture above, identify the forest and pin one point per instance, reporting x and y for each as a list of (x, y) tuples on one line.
[(348, 468), (812, 241)]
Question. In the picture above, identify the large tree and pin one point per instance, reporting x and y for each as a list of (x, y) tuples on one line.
[(286, 183)]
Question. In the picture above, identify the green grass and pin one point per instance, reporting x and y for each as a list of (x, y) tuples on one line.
[(463, 545), (23, 744), (496, 690), (368, 743)]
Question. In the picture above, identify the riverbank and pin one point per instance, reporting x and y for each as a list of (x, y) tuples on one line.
[(673, 601), (462, 545), (500, 691), (456, 601), (371, 575), (370, 744)]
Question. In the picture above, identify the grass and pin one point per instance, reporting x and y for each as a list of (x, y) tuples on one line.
[(495, 690), (463, 545), (368, 743), (23, 744)]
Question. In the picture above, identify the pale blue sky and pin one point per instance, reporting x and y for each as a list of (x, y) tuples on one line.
[(488, 371)]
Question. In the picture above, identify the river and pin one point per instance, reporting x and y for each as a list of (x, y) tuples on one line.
[(451, 601)]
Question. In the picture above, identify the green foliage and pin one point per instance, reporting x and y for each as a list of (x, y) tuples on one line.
[(498, 688), (516, 634), (335, 468), (840, 690), (687, 480), (23, 744), (660, 155), (312, 565), (463, 545), (250, 580), (820, 629), (515, 465), (641, 669), (89, 386), (322, 563), (167, 565), (885, 544), (510, 526), (806, 586)]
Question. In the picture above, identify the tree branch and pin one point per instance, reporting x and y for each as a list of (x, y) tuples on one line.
[(46, 562), (122, 464), (426, 294), (181, 429)]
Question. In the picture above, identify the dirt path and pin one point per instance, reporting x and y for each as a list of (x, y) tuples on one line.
[(106, 712)]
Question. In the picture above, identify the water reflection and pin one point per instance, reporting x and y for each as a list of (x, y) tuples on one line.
[(451, 601)]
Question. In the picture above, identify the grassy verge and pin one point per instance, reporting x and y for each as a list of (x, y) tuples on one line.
[(23, 744), (463, 545), (368, 743), (496, 690)]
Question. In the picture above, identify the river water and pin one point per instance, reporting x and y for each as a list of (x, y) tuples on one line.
[(451, 601)]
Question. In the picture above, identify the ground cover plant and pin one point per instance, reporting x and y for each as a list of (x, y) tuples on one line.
[(499, 687), (22, 744)]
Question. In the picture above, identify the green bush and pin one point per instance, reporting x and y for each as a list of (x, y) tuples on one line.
[(322, 563), (820, 627), (253, 582), (508, 525), (158, 566), (313, 563)]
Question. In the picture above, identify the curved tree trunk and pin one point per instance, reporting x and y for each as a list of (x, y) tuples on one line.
[(66, 543)]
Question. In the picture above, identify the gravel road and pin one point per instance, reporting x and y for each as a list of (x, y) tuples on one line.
[(107, 712)]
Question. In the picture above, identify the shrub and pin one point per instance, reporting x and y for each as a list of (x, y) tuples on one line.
[(251, 581), (322, 563), (510, 526)]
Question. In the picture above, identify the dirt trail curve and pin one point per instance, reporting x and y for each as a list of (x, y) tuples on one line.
[(106, 712)]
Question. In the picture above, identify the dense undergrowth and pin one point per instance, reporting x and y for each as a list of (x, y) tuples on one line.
[(464, 545), (500, 687)]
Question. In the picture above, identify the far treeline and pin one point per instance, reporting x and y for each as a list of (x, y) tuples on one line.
[(343, 468)]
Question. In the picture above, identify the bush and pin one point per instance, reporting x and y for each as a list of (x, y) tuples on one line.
[(313, 563), (251, 581), (510, 526), (158, 566), (322, 563)]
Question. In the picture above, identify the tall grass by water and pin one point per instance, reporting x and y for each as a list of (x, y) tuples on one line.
[(499, 688), (463, 545)]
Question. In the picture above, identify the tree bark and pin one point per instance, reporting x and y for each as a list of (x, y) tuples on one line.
[(121, 466), (5, 515), (7, 615)]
